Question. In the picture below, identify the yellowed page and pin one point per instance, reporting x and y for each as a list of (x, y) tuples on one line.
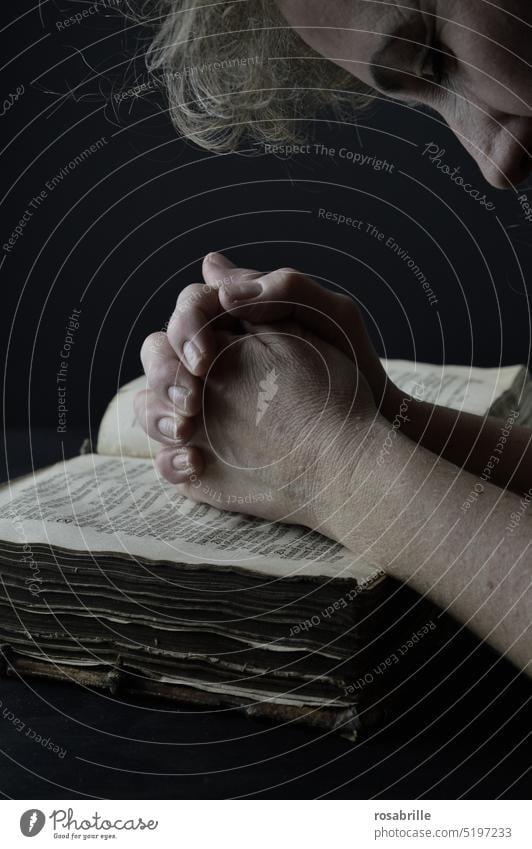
[(120, 433), (472, 390), (108, 504)]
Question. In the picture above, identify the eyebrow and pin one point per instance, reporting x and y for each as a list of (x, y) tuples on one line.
[(389, 79)]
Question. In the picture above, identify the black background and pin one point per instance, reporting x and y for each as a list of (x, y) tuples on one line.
[(118, 238)]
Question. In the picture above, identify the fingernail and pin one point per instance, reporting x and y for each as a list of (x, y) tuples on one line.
[(192, 354), (180, 397), (181, 463), (244, 291), (168, 427)]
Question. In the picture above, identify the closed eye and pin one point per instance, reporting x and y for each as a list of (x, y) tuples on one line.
[(411, 55)]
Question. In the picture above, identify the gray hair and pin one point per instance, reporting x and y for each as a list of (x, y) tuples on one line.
[(235, 70)]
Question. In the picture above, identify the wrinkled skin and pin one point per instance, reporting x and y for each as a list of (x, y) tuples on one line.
[(274, 415)]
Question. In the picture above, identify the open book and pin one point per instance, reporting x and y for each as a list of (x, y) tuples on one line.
[(112, 579)]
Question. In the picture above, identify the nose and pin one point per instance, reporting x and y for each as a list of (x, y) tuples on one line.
[(502, 148)]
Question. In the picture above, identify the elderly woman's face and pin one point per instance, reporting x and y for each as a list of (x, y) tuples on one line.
[(470, 60)]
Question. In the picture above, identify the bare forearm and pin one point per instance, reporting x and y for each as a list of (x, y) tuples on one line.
[(498, 451)]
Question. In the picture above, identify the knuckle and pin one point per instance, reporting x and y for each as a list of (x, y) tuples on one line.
[(345, 301), (346, 305), (287, 280), (187, 298), (174, 325), (189, 290), (289, 275)]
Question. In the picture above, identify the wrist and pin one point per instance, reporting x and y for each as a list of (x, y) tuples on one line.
[(356, 501), (387, 503)]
